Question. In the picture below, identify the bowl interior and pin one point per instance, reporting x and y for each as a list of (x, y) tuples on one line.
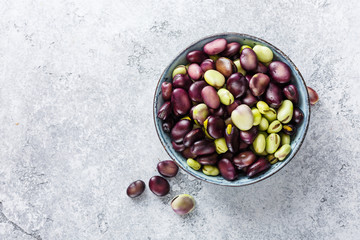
[(296, 79)]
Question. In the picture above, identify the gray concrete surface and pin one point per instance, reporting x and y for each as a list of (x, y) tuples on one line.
[(76, 89)]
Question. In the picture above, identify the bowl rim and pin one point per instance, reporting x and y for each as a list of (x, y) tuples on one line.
[(247, 36)]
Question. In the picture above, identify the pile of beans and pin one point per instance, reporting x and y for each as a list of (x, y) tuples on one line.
[(231, 110)]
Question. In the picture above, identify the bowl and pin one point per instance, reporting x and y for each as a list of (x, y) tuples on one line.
[(296, 79)]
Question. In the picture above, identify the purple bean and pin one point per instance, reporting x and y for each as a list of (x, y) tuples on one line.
[(207, 64), (249, 136), (261, 68), (182, 81), (231, 49), (164, 111), (167, 125), (159, 185), (195, 71), (273, 95), (166, 90), (210, 159), (227, 169), (232, 138), (210, 97), (225, 66), (180, 101), (298, 115), (180, 129), (203, 147), (259, 166), (258, 84), (244, 159), (179, 147), (215, 126), (167, 168), (279, 72), (313, 96), (187, 153), (249, 99), (193, 136), (291, 93), (195, 90), (215, 47), (237, 85), (248, 59), (196, 56), (135, 189)]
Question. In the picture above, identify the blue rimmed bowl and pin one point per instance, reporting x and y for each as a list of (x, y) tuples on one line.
[(296, 79)]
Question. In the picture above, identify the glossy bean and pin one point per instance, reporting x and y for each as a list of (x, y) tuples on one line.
[(227, 169), (231, 49), (193, 164), (232, 138), (180, 129), (270, 115), (199, 113), (135, 188), (248, 59), (210, 159), (193, 136), (249, 136), (167, 168), (289, 129), (249, 99), (180, 101), (182, 81), (214, 78), (279, 72), (314, 97), (164, 111), (242, 117), (257, 116), (257, 167), (272, 143), (203, 147), (225, 66), (210, 97), (210, 170), (239, 67), (207, 64), (285, 111), (159, 185), (195, 90), (244, 159), (237, 85), (215, 47), (274, 127), (258, 84), (166, 90), (298, 115), (291, 93), (225, 96), (282, 152), (273, 95), (220, 145), (183, 204), (285, 139), (264, 124), (215, 126), (181, 69), (259, 144), (196, 56), (179, 147), (195, 72), (263, 53)]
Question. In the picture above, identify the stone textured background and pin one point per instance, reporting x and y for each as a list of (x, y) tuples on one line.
[(76, 89)]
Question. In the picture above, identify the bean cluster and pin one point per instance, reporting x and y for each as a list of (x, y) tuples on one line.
[(231, 110)]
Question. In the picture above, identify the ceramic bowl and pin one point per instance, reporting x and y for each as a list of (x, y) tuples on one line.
[(296, 79)]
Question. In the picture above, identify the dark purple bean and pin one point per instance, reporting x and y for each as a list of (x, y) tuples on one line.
[(215, 126), (180, 129), (215, 47), (187, 153), (195, 71), (298, 115), (210, 159), (273, 95), (182, 81), (259, 166), (231, 49), (203, 147), (159, 185), (258, 84), (193, 136), (167, 168), (227, 169), (231, 107), (224, 66), (232, 138), (195, 90), (243, 145), (289, 129), (164, 111), (291, 93), (207, 64), (244, 159), (166, 90), (248, 59), (210, 97), (248, 77), (196, 56), (279, 72), (249, 99), (180, 101), (135, 189), (249, 136), (219, 112), (179, 147), (237, 85), (261, 68), (167, 125)]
